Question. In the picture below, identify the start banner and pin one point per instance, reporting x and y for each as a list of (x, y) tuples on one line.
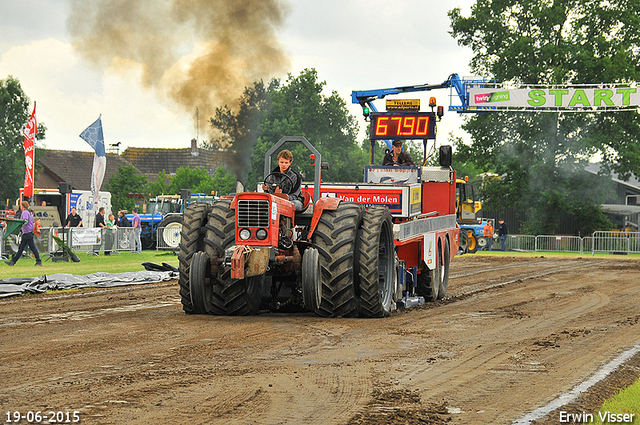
[(556, 98)]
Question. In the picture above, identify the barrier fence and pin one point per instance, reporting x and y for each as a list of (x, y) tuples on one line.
[(94, 240), (89, 240)]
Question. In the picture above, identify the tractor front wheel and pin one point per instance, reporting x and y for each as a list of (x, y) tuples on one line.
[(192, 241)]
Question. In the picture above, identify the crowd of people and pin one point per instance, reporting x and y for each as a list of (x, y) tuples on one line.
[(31, 231)]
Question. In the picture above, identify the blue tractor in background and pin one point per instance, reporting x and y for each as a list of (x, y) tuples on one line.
[(162, 221)]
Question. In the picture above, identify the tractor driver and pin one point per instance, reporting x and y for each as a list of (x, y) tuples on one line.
[(396, 156), (283, 179)]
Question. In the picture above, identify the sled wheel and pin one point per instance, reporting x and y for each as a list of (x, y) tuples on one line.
[(444, 275)]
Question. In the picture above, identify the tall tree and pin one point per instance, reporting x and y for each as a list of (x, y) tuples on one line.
[(296, 107), (15, 110), (301, 109), (196, 179), (125, 182), (541, 155)]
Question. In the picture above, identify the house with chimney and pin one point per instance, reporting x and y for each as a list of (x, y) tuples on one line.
[(75, 167)]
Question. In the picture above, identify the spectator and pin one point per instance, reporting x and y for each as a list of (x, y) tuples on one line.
[(27, 237), (73, 219), (503, 233), (488, 235), (101, 225), (137, 231), (108, 234), (122, 220)]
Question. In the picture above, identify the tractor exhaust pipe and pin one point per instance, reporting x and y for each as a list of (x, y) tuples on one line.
[(239, 186)]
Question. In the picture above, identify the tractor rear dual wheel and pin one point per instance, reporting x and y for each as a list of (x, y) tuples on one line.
[(375, 262), (335, 239)]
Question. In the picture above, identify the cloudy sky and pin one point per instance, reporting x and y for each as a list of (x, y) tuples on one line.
[(68, 57)]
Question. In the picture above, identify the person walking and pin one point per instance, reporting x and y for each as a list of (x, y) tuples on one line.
[(488, 235), (503, 233), (137, 231), (27, 237)]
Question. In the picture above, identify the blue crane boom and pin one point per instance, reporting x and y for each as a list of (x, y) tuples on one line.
[(461, 86)]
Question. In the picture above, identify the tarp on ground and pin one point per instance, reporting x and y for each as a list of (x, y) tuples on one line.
[(37, 285)]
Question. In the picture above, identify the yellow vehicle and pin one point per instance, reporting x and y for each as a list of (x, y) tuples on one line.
[(468, 215)]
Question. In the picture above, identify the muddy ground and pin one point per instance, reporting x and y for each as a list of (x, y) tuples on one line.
[(512, 335)]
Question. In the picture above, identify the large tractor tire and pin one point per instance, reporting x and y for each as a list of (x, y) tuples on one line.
[(229, 296), (376, 260), (335, 239), (444, 272), (170, 229), (192, 241)]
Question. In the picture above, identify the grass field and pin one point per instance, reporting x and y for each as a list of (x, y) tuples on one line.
[(115, 263), (626, 401)]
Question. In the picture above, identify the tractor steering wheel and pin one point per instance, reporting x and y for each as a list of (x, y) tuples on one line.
[(270, 181)]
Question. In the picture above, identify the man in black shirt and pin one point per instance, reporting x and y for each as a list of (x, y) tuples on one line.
[(396, 156), (73, 219), (283, 179)]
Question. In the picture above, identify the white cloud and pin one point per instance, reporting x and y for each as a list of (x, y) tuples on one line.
[(354, 45), (70, 96)]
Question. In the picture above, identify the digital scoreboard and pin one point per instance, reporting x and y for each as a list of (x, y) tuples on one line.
[(403, 125)]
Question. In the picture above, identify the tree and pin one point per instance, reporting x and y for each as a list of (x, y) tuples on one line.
[(301, 109), (14, 114), (159, 186), (126, 181), (196, 179), (540, 156), (296, 108), (224, 183), (240, 129)]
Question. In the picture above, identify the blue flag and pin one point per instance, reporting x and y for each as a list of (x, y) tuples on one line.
[(93, 136)]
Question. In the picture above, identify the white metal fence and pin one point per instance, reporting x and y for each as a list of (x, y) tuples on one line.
[(90, 240), (80, 239), (607, 242)]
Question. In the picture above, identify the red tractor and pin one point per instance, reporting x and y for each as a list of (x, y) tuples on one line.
[(355, 250)]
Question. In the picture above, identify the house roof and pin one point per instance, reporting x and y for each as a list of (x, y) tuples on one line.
[(75, 166), (151, 161), (595, 168)]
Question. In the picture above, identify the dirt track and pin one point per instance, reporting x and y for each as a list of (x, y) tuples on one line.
[(512, 335)]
